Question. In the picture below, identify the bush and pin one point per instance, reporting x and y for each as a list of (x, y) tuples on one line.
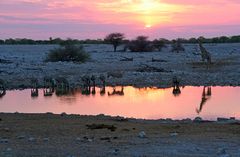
[(159, 44), (177, 46), (141, 44), (68, 52)]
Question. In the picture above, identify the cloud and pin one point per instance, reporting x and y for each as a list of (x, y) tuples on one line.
[(98, 17)]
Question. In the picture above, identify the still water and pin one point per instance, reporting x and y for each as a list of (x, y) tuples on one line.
[(147, 103)]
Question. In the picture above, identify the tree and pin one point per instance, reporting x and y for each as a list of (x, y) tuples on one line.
[(177, 46), (115, 39), (141, 44)]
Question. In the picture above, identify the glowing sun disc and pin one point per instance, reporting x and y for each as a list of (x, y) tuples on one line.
[(148, 26)]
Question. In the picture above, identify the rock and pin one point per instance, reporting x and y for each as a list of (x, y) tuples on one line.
[(222, 153), (31, 139), (46, 139), (6, 129), (21, 137), (106, 139), (101, 126), (197, 119), (8, 149), (78, 139), (4, 140), (115, 152), (142, 134), (174, 134), (88, 139)]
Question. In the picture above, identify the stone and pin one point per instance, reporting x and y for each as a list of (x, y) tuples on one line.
[(8, 149), (31, 139), (115, 152), (21, 137), (142, 134), (222, 153), (78, 139), (46, 139), (174, 134), (4, 140), (6, 129)]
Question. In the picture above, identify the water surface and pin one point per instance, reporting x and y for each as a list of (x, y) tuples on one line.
[(147, 103)]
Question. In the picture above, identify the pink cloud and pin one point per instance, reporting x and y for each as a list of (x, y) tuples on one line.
[(128, 16)]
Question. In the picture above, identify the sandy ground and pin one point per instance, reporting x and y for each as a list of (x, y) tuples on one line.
[(48, 135), (20, 63)]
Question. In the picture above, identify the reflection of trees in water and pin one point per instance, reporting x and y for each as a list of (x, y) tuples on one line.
[(34, 89), (117, 92), (176, 89), (2, 89), (206, 95)]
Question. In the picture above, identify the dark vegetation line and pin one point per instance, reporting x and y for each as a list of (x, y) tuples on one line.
[(24, 41)]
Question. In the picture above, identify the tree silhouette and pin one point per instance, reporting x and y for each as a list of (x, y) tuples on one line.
[(115, 39)]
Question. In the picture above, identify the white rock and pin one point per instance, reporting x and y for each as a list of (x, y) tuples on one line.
[(78, 139), (174, 134), (142, 134), (46, 139), (31, 139)]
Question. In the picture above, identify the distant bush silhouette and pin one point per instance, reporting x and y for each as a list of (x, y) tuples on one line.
[(115, 39), (24, 41), (141, 44), (159, 44), (177, 46), (68, 52)]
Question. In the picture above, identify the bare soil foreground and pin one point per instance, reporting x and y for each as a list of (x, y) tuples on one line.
[(20, 63), (49, 135)]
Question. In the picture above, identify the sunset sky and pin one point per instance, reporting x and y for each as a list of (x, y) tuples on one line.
[(40, 19)]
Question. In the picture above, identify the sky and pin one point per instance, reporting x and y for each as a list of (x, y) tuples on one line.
[(93, 19)]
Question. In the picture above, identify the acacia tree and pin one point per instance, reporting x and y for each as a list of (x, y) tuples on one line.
[(115, 39), (140, 44)]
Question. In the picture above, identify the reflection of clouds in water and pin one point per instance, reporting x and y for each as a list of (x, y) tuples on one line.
[(149, 103)]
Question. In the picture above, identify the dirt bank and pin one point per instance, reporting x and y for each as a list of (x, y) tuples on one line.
[(48, 135)]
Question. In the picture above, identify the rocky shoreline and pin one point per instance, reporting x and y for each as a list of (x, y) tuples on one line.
[(74, 135)]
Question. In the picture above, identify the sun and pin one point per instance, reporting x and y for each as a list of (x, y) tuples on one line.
[(148, 26)]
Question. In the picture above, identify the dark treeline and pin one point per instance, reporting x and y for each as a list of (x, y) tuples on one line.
[(57, 41), (24, 41)]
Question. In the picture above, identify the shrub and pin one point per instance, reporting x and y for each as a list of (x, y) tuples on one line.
[(159, 44), (177, 46), (68, 52), (141, 44)]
